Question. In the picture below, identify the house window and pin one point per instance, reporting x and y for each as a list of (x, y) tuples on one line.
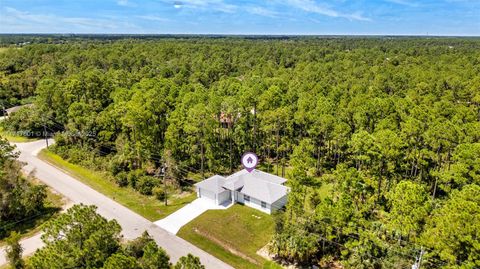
[(246, 198), (264, 205)]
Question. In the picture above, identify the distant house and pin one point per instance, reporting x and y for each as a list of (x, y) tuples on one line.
[(226, 121), (12, 110), (257, 189)]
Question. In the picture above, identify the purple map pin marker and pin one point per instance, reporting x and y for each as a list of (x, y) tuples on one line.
[(249, 161)]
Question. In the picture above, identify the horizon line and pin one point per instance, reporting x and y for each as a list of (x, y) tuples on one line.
[(245, 35)]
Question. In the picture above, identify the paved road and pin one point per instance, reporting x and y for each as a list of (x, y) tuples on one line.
[(32, 243), (132, 224), (29, 246)]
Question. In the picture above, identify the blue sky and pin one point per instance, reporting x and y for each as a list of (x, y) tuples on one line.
[(360, 17)]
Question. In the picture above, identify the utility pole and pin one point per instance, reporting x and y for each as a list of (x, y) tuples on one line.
[(418, 261), (161, 174), (164, 185), (202, 147), (45, 130)]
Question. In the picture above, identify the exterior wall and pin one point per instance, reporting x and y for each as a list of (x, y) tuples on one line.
[(224, 197), (279, 203), (257, 204), (238, 197)]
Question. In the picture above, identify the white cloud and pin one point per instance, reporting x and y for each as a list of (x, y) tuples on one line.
[(126, 3), (262, 11), (314, 7), (122, 2), (153, 18), (404, 3), (14, 20), (217, 5)]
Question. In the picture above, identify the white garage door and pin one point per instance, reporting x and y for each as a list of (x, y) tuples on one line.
[(207, 194)]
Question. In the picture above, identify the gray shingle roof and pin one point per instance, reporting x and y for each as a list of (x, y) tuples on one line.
[(233, 183), (213, 184), (257, 184), (262, 190), (260, 175)]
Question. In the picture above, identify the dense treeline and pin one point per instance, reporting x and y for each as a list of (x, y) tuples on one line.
[(20, 200), (81, 238), (389, 126)]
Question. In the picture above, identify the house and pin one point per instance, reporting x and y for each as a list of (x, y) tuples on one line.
[(257, 189), (12, 110)]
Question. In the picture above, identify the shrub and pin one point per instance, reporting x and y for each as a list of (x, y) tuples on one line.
[(60, 140), (121, 179), (145, 184), (133, 177), (76, 155), (14, 251), (135, 247), (27, 120), (117, 165), (159, 193)]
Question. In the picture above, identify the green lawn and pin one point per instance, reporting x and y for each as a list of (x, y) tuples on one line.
[(147, 206), (233, 235), (29, 227), (271, 265)]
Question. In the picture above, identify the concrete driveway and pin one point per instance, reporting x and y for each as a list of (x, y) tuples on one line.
[(173, 222)]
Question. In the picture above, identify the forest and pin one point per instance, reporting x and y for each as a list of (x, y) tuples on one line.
[(79, 238), (20, 199), (389, 127)]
